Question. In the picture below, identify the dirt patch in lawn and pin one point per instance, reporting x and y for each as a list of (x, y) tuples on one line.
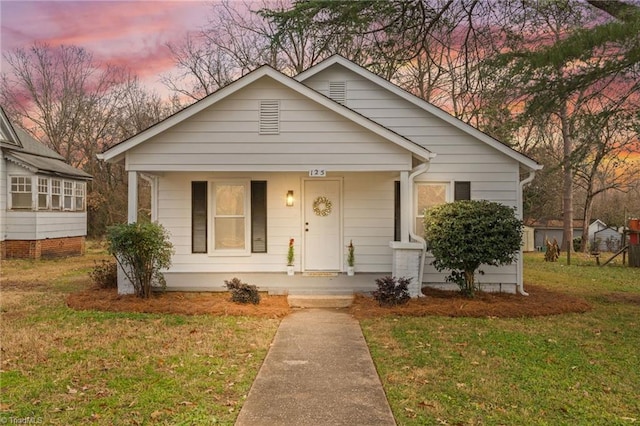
[(540, 302)]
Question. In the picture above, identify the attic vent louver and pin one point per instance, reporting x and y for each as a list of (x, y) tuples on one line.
[(338, 91), (269, 117)]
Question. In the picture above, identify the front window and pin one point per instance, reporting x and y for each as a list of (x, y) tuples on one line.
[(43, 193), (21, 192), (428, 195), (230, 218)]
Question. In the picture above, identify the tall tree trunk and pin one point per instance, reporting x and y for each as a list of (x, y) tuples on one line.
[(567, 187), (584, 244)]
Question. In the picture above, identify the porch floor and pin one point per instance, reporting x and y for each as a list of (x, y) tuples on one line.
[(298, 284)]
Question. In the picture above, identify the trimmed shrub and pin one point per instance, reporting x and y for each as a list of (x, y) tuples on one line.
[(105, 274), (392, 291), (243, 292), (142, 250), (464, 235)]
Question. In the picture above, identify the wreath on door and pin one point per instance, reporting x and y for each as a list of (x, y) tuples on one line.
[(322, 206)]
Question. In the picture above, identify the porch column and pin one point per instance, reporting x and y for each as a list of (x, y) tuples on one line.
[(132, 203), (124, 285)]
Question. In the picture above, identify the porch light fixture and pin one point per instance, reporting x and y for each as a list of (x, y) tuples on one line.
[(289, 198)]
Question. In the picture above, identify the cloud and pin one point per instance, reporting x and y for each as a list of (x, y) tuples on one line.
[(127, 33)]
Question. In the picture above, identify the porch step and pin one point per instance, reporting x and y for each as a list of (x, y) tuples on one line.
[(320, 301)]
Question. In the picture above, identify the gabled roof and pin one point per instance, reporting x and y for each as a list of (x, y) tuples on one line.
[(22, 149), (421, 103), (116, 152)]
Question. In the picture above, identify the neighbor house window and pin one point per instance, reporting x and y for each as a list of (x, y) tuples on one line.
[(43, 193), (67, 195), (21, 192), (230, 216), (79, 196), (428, 195), (56, 194)]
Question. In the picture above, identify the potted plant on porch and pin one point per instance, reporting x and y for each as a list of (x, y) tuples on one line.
[(290, 258), (351, 259)]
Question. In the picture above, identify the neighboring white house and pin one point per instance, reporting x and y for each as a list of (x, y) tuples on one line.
[(603, 237), (333, 155), (42, 198)]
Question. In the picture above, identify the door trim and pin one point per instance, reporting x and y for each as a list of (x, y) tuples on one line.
[(340, 211)]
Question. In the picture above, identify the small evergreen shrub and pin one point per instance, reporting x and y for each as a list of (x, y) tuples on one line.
[(105, 274), (243, 292), (142, 250), (392, 291)]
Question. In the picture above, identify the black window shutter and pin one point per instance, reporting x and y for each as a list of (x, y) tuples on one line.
[(396, 212), (258, 216), (462, 191), (199, 217)]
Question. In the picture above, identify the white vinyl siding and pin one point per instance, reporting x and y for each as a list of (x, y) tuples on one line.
[(31, 224), (459, 156), (225, 137), (367, 210)]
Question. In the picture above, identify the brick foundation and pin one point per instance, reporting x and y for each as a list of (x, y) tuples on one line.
[(43, 249)]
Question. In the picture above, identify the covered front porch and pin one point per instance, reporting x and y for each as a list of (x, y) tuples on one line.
[(281, 284)]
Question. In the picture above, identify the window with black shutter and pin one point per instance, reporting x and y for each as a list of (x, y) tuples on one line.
[(462, 191), (199, 217), (258, 216)]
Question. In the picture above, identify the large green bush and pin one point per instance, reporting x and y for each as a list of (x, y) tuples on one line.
[(466, 234), (142, 250)]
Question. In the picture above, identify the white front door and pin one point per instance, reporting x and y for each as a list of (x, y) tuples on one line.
[(322, 248)]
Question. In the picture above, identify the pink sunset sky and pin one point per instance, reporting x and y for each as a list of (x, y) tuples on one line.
[(131, 33)]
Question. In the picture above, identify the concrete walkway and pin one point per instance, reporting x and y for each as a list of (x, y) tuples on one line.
[(317, 372)]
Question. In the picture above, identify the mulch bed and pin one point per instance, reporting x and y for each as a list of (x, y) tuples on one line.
[(540, 302), (178, 303)]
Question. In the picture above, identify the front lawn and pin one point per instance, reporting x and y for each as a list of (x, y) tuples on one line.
[(569, 369), (62, 366), (65, 366)]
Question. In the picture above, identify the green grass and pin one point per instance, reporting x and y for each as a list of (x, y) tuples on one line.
[(573, 369), (61, 366)]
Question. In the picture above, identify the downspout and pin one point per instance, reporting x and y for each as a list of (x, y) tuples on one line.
[(418, 170), (519, 266)]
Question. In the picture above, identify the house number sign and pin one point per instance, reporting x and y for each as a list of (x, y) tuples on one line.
[(318, 172)]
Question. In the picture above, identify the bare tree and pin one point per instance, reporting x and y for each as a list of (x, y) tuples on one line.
[(79, 107)]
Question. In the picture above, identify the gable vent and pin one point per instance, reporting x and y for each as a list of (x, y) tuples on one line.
[(338, 91), (269, 117)]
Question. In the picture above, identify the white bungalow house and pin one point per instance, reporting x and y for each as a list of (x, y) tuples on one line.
[(42, 199), (333, 155)]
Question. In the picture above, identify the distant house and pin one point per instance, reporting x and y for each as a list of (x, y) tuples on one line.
[(334, 155), (548, 229), (42, 198), (603, 237)]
